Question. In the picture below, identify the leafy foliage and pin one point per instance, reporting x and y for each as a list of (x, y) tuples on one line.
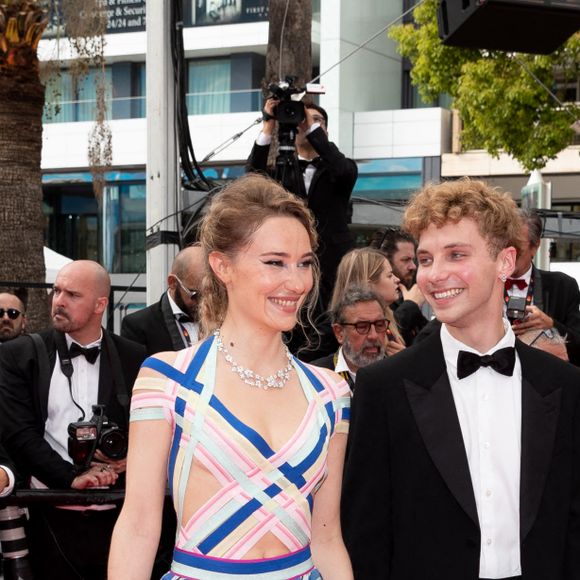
[(503, 108)]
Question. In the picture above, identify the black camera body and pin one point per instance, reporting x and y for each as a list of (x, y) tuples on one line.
[(288, 111), (85, 437), (516, 308)]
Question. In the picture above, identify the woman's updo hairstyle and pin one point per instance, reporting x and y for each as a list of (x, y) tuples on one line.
[(234, 215)]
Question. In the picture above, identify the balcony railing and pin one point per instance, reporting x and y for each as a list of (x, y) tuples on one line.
[(205, 103)]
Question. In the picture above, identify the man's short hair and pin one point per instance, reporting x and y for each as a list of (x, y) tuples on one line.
[(494, 212), (535, 225), (320, 110), (387, 240), (352, 296)]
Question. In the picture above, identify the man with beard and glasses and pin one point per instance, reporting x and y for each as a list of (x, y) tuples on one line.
[(399, 246), (172, 322), (360, 326), (49, 383), (12, 316)]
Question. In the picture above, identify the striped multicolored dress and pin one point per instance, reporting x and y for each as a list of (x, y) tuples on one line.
[(261, 491)]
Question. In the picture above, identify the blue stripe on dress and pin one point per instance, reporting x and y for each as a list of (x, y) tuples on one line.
[(249, 433), (163, 368), (229, 525), (311, 458), (242, 566)]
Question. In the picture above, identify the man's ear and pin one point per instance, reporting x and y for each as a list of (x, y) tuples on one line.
[(221, 266), (338, 333), (507, 261), (101, 305)]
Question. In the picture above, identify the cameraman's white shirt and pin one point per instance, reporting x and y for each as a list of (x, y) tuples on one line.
[(61, 408)]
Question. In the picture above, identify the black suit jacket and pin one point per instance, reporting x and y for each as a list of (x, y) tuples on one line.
[(24, 401), (557, 294), (328, 198), (154, 327), (408, 507)]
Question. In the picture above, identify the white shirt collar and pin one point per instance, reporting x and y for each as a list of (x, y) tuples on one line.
[(97, 342), (452, 346), (527, 276), (174, 308), (342, 365)]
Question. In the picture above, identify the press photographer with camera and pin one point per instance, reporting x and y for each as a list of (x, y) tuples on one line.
[(64, 400), (326, 178)]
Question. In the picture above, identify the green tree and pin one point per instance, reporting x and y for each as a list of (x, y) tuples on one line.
[(502, 106)]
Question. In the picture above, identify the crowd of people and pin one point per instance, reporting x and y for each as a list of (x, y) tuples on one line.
[(229, 436)]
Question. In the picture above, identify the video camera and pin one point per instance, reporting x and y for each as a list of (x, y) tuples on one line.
[(85, 437), (288, 111)]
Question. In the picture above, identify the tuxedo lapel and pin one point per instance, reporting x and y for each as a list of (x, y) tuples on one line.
[(540, 413), (106, 378), (434, 411), (171, 324)]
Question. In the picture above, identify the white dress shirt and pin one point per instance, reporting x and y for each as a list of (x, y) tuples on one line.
[(61, 409), (515, 291), (310, 170), (191, 327), (342, 365), (489, 408)]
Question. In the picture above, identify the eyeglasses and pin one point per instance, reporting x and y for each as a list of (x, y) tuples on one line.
[(12, 313), (364, 326), (191, 294)]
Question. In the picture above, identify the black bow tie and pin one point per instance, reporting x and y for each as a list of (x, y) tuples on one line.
[(304, 163), (501, 361), (184, 318), (91, 354)]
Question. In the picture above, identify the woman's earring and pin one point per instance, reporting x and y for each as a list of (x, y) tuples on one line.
[(503, 278)]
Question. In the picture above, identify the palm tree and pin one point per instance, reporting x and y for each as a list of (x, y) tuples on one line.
[(22, 23)]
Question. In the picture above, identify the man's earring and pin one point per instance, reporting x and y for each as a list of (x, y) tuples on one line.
[(503, 278)]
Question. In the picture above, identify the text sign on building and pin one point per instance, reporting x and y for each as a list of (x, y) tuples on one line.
[(208, 12), (125, 16)]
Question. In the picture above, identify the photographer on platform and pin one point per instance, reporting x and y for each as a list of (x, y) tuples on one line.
[(50, 381), (328, 178)]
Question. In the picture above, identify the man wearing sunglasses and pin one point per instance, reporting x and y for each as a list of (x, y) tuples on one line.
[(171, 323), (12, 317), (360, 326)]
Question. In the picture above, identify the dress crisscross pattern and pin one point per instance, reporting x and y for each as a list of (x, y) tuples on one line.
[(261, 490)]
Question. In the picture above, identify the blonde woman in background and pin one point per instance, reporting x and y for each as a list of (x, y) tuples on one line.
[(370, 267)]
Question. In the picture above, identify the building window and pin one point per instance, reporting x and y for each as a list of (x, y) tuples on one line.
[(225, 85), (111, 233), (208, 89), (70, 99), (124, 227)]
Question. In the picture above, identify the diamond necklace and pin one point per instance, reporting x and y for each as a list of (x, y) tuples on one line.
[(274, 381)]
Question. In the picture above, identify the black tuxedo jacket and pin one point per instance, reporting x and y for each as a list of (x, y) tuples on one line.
[(24, 401), (557, 294), (326, 362), (154, 327), (408, 508), (328, 198)]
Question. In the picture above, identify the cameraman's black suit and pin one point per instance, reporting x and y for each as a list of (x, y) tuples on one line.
[(329, 200), (23, 414)]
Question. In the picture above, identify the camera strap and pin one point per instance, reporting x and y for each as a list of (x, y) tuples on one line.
[(66, 366)]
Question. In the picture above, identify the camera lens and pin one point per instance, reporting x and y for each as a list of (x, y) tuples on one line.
[(113, 443)]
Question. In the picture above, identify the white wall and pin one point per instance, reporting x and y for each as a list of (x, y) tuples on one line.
[(368, 80), (401, 133)]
